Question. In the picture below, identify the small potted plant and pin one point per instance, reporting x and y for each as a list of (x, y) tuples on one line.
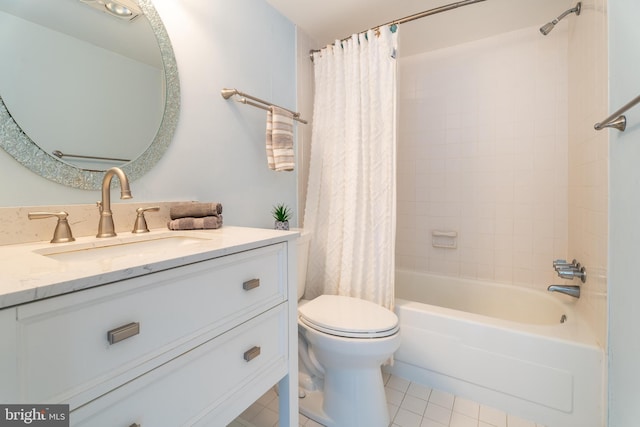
[(282, 214)]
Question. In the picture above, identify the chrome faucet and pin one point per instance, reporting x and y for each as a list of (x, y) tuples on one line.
[(573, 291), (571, 273), (105, 226), (570, 270)]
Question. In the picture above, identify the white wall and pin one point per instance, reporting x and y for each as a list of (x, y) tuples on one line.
[(624, 217), (218, 150), (482, 151)]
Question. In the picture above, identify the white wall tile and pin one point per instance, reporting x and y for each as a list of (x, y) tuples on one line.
[(491, 143), (496, 136), (588, 159)]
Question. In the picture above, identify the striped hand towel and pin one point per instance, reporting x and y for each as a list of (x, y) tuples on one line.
[(194, 209), (280, 156), (190, 223)]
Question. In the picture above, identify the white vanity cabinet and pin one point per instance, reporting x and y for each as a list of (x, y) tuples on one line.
[(8, 352), (202, 387), (190, 345)]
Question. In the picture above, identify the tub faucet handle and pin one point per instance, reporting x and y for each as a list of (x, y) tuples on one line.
[(563, 264), (570, 273)]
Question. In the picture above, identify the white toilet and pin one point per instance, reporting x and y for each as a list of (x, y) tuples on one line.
[(343, 342)]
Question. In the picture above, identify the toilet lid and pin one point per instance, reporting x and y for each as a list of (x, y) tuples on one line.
[(348, 317)]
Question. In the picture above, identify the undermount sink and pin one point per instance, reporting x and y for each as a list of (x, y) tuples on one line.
[(121, 247)]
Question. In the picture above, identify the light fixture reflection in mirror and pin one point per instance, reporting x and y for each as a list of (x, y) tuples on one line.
[(118, 9), (121, 9), (18, 144)]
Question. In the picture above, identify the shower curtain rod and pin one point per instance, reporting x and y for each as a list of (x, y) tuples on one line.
[(434, 11)]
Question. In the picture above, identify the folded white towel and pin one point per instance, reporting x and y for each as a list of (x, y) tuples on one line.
[(280, 155)]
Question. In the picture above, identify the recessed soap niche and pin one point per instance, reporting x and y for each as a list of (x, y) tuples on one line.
[(445, 239)]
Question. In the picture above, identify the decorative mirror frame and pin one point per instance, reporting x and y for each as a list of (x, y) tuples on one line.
[(18, 144)]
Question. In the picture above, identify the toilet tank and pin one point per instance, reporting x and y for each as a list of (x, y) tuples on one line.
[(303, 258)]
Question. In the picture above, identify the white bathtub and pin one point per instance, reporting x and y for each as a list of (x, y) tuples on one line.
[(502, 346)]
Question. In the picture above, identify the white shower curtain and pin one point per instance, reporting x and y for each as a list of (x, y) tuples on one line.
[(350, 207)]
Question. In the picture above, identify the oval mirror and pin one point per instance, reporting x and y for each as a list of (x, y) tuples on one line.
[(86, 85)]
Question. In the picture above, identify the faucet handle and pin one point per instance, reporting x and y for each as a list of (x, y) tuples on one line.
[(579, 272), (62, 233), (141, 223), (563, 264)]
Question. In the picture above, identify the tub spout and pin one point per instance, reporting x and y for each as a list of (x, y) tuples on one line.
[(573, 291)]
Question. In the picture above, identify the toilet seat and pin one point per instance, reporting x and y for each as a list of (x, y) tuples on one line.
[(348, 317)]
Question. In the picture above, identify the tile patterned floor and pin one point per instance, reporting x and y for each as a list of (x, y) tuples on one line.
[(410, 405)]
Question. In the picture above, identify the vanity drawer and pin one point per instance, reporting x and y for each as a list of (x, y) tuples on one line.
[(64, 352), (200, 382)]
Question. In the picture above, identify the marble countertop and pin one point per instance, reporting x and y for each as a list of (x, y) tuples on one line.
[(32, 271)]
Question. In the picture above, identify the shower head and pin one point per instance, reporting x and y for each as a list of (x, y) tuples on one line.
[(546, 28)]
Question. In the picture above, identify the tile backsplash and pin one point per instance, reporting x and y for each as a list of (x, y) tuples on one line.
[(83, 219)]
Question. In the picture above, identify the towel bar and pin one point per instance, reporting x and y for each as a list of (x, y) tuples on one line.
[(59, 154), (617, 120), (228, 93)]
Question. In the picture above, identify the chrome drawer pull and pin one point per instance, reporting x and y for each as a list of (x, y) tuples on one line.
[(251, 284), (252, 353), (123, 332)]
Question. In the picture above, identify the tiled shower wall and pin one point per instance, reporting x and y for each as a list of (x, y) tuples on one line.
[(589, 160), (482, 151)]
